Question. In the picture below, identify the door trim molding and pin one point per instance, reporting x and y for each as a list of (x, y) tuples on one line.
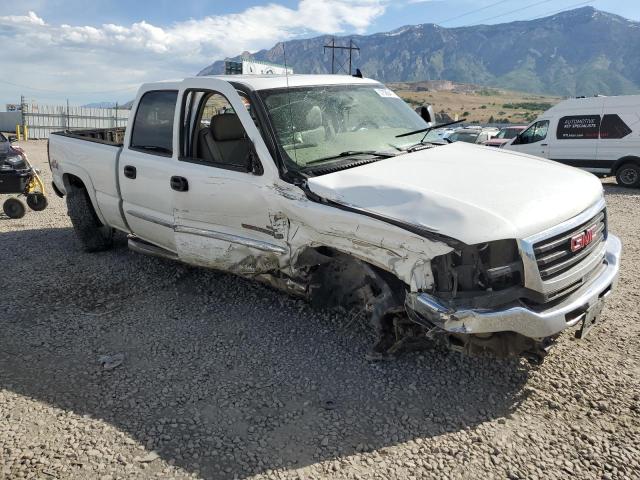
[(227, 237), (150, 218)]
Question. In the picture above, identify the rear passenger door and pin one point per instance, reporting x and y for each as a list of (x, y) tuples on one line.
[(227, 213), (145, 167)]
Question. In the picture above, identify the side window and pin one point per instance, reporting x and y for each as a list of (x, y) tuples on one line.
[(153, 125), (535, 133), (217, 136), (578, 127), (541, 131), (613, 126)]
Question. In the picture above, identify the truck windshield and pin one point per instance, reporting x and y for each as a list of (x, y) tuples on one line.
[(325, 123)]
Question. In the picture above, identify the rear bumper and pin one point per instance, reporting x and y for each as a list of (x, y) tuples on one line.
[(527, 321)]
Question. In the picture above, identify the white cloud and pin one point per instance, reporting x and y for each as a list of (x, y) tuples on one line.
[(111, 57)]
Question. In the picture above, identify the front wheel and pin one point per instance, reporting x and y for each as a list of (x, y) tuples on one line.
[(628, 175), (94, 236)]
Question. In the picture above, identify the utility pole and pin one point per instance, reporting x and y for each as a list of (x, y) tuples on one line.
[(351, 48)]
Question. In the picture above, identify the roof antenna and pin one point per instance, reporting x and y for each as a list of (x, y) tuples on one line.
[(286, 74), (358, 73)]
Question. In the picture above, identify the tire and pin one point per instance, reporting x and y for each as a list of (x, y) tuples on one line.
[(37, 202), (93, 235), (14, 208), (628, 175)]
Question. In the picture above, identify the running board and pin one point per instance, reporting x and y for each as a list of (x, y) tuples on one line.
[(140, 246)]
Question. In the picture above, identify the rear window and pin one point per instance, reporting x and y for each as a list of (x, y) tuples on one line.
[(613, 126), (153, 125), (464, 137)]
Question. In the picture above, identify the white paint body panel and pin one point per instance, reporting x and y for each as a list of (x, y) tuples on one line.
[(468, 192)]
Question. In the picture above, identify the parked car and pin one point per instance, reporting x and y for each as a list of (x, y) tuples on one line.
[(504, 135), (472, 135), (325, 189), (598, 134)]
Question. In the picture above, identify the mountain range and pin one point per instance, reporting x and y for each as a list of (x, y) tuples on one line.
[(583, 51)]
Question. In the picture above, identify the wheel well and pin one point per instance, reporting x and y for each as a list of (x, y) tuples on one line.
[(338, 279), (72, 180), (625, 160), (313, 257)]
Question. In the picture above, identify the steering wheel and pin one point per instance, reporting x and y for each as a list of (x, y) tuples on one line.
[(365, 125)]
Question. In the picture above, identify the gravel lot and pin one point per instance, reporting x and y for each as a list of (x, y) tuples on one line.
[(224, 378)]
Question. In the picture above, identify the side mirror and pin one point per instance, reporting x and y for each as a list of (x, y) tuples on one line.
[(426, 112), (13, 138)]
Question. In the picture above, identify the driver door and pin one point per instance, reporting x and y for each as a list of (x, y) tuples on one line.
[(533, 141), (227, 215)]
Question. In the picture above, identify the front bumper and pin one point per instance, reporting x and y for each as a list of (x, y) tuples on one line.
[(517, 317)]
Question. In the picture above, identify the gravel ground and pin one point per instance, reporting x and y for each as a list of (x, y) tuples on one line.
[(225, 378)]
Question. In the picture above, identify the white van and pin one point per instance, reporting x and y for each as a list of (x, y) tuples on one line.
[(598, 134)]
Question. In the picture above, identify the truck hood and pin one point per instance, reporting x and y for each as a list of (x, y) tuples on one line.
[(469, 192)]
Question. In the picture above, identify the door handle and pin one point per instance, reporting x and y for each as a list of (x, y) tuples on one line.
[(130, 171), (544, 144), (179, 184)]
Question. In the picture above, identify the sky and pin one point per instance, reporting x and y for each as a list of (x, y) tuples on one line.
[(87, 51)]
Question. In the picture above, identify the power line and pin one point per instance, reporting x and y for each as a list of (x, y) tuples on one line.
[(513, 11), (333, 47), (568, 7), (472, 11)]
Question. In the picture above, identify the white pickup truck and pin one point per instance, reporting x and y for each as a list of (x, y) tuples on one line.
[(311, 184)]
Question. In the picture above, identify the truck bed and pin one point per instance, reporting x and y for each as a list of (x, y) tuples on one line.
[(109, 136), (90, 156)]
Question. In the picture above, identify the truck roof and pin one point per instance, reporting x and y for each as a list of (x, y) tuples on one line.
[(268, 82)]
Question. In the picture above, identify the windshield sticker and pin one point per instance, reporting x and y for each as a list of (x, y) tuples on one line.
[(385, 93)]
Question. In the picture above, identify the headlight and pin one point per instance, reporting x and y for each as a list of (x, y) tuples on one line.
[(490, 266)]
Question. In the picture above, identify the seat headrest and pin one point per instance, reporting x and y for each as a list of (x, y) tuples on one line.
[(227, 126), (314, 118)]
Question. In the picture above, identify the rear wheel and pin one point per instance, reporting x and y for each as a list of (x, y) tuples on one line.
[(14, 208), (93, 235), (628, 175), (37, 201)]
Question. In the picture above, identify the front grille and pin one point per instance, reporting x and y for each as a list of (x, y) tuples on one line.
[(554, 255)]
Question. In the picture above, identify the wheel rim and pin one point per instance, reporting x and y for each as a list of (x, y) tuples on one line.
[(629, 176)]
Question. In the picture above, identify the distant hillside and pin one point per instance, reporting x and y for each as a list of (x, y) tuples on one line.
[(579, 52)]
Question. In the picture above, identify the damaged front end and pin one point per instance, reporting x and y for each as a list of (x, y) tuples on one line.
[(476, 278), (480, 305)]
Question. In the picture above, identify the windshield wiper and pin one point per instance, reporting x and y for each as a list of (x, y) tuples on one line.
[(428, 129), (352, 153)]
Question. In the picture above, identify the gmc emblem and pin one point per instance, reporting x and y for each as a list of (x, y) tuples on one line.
[(581, 240)]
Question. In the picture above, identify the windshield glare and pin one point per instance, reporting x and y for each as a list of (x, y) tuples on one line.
[(318, 122)]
